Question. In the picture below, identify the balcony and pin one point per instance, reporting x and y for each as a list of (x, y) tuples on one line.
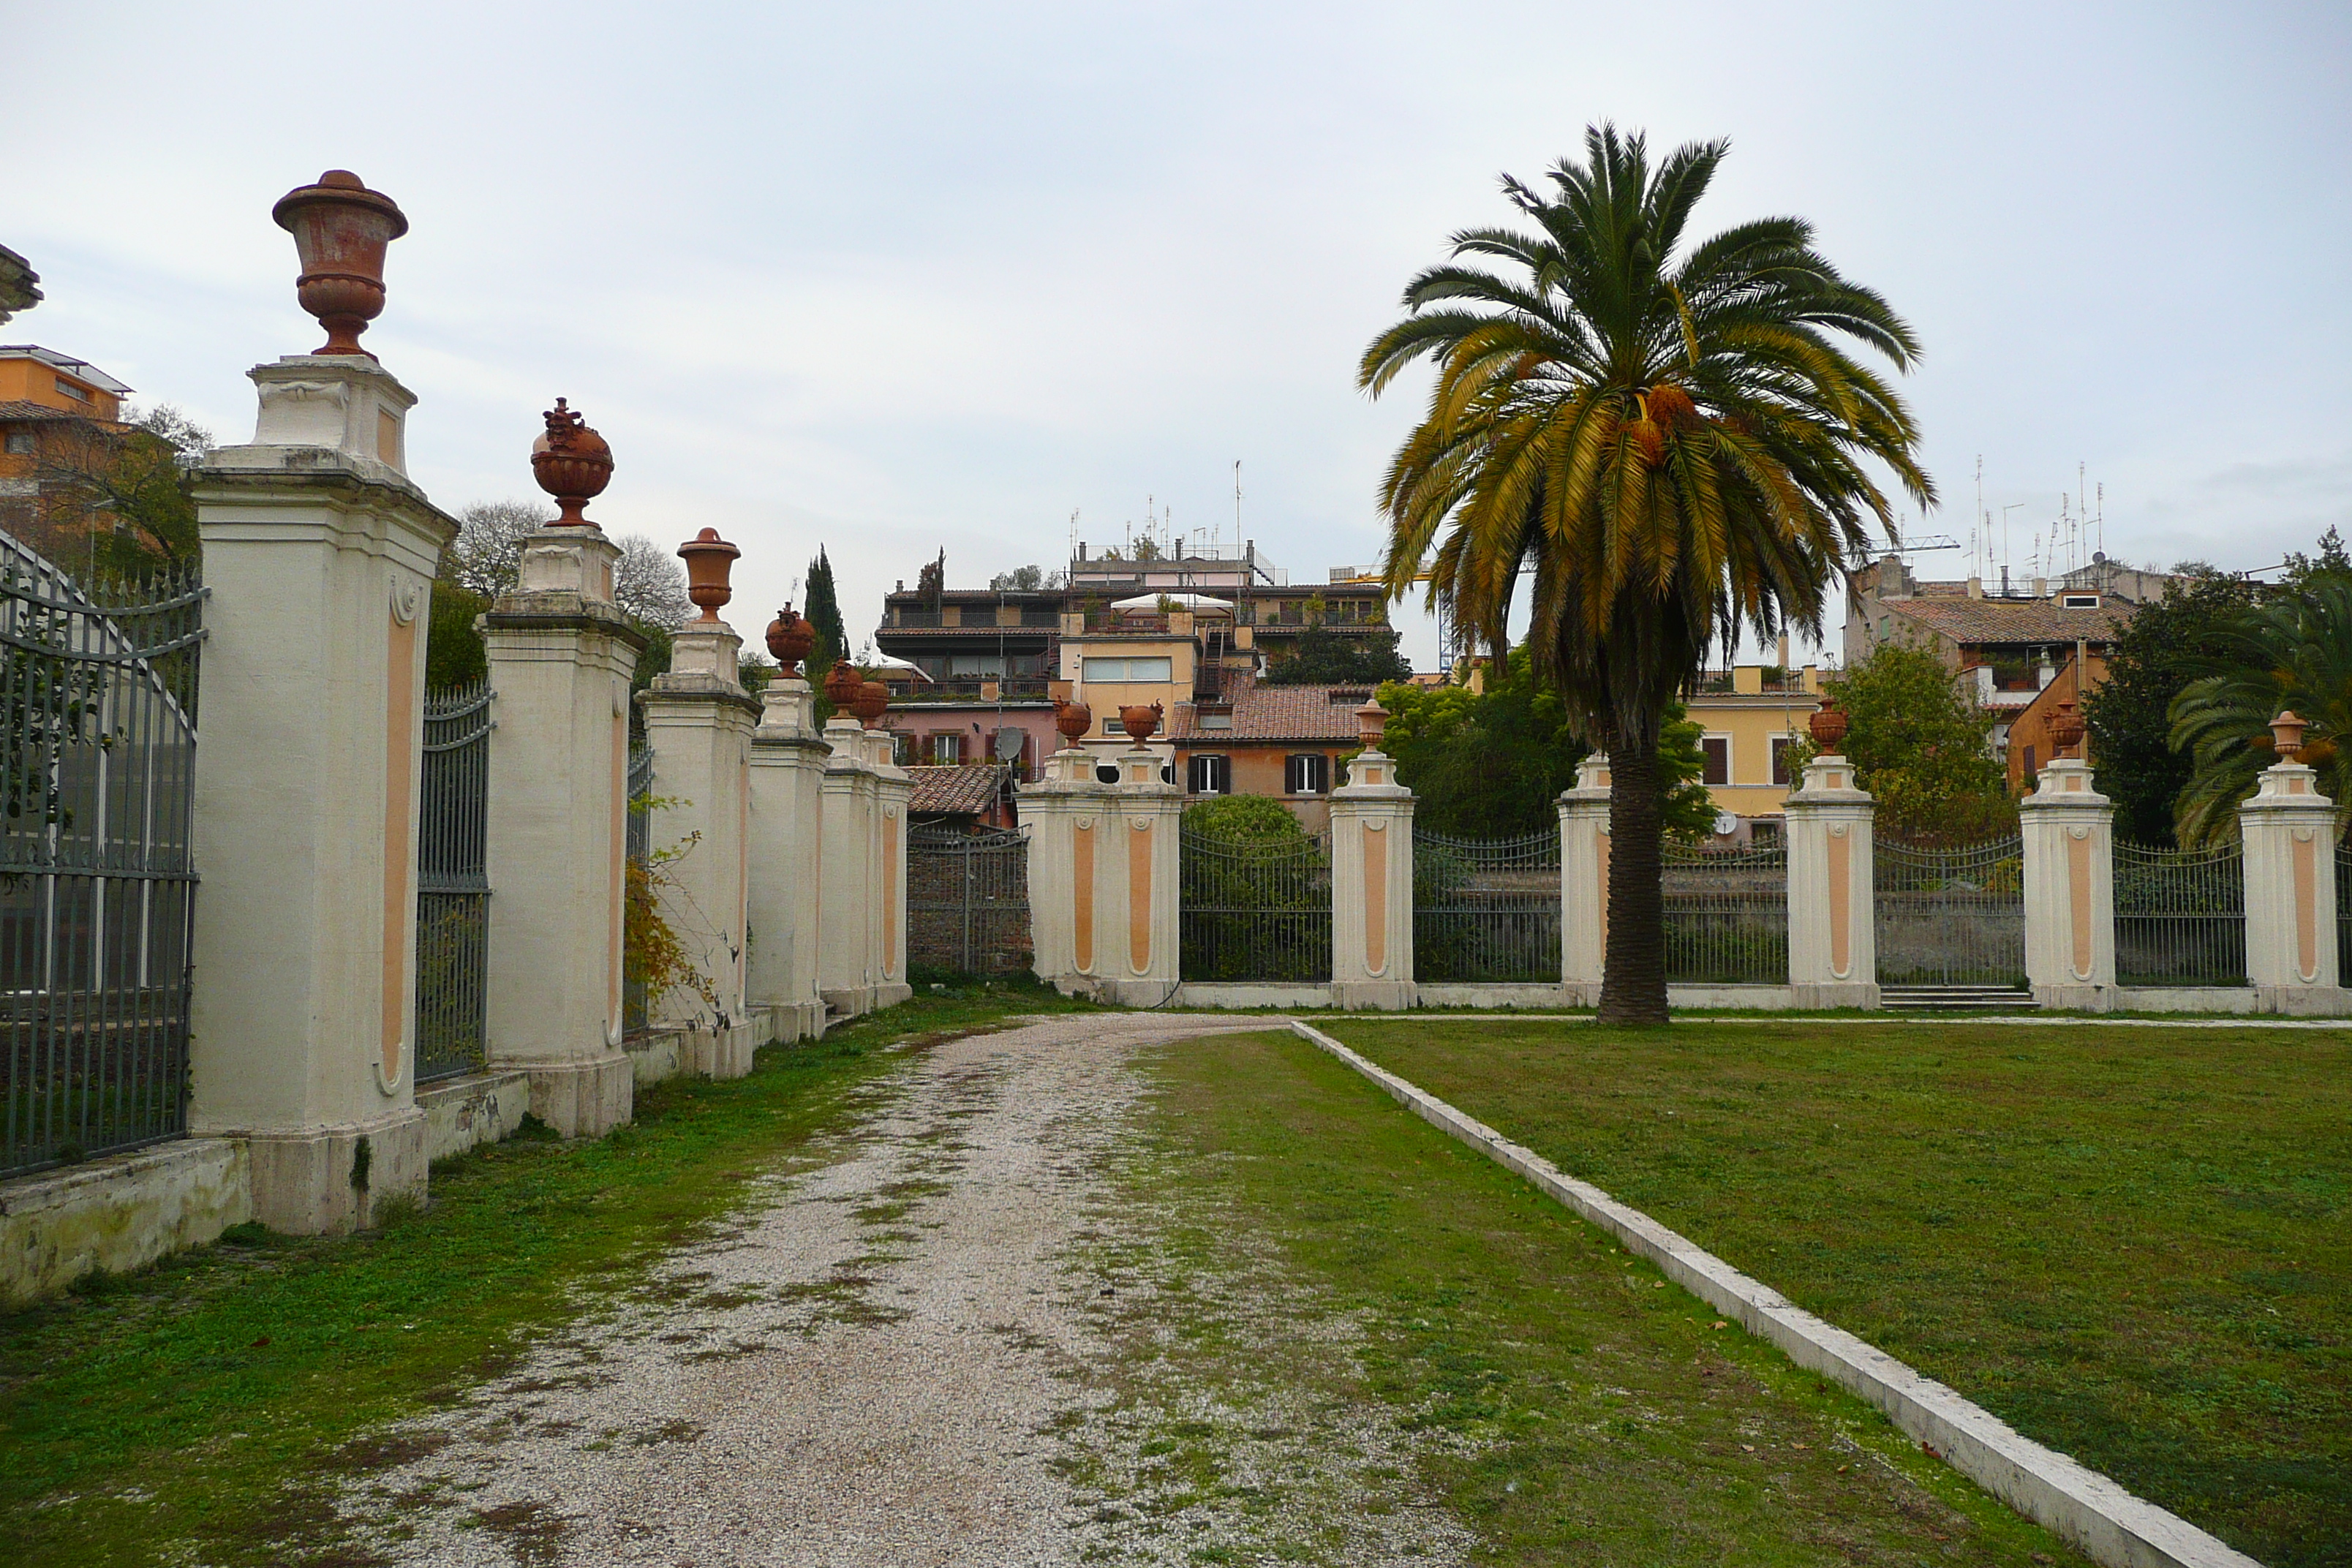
[(974, 689)]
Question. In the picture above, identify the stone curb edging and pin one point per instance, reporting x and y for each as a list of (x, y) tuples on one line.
[(2107, 1523)]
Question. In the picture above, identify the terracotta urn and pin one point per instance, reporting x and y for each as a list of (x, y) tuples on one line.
[(1371, 722), (1828, 725), (843, 684), (790, 637), (873, 701), (571, 463), (2286, 735), (1073, 719), (1141, 721), (2067, 729), (340, 230), (709, 559)]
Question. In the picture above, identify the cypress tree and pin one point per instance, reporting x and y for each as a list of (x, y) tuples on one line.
[(823, 613)]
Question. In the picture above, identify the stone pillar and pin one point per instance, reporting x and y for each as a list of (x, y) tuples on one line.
[(788, 758), (1584, 882), (2289, 829), (560, 658), (2070, 889), (1371, 885), (1067, 816), (845, 913), (319, 554), (894, 792), (1832, 926), (698, 721), (1140, 960)]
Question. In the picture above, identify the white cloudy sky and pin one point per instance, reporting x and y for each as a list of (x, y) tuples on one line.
[(892, 278)]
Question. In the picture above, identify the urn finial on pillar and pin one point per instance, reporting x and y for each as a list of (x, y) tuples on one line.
[(709, 559), (2286, 735), (790, 637), (340, 230), (571, 463)]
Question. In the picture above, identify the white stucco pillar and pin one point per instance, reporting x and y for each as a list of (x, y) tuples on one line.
[(1067, 816), (2070, 888), (2290, 867), (561, 656), (1371, 887), (846, 914), (894, 791), (1833, 926), (788, 757), (1139, 962), (1584, 882), (319, 554), (699, 723)]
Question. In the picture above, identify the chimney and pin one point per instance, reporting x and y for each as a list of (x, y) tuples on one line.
[(2042, 587), (1783, 658), (1976, 586), (2004, 580)]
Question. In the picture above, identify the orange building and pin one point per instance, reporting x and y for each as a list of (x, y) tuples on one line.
[(2030, 746), (49, 403)]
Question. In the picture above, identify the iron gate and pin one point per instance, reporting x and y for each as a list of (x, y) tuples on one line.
[(453, 892), (640, 834), (1726, 915), (968, 901), (1950, 914), (98, 732), (1254, 909), (1486, 909), (2180, 915)]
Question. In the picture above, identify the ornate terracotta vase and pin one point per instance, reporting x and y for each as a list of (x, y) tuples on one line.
[(1073, 719), (340, 230), (1828, 725), (1141, 721), (571, 463), (2066, 729), (2286, 735), (873, 701), (709, 559), (790, 637), (843, 684), (1371, 723)]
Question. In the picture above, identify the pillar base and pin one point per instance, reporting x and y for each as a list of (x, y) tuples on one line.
[(1835, 994), (2075, 998), (1373, 995), (791, 1021), (890, 992), (847, 1000), (2303, 1001), (582, 1098), (314, 1183), (707, 1052)]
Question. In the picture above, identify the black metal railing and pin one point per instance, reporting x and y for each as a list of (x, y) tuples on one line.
[(1950, 914), (453, 887), (968, 901), (2180, 915), (1254, 909), (640, 836), (1726, 915), (1485, 909), (97, 744)]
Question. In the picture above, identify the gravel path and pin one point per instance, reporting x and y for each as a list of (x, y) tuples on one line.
[(906, 1353)]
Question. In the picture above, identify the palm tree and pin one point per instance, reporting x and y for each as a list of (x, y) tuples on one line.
[(2295, 650), (1671, 439)]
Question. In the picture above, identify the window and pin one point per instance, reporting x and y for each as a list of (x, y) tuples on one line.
[(2080, 601), (1308, 773), (1208, 721), (2030, 771), (947, 746), (1781, 744), (975, 666), (1130, 670), (1209, 776), (1716, 750), (77, 394), (20, 441), (902, 748)]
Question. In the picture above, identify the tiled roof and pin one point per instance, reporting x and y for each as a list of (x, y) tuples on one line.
[(17, 408), (1276, 713), (956, 790), (2012, 620)]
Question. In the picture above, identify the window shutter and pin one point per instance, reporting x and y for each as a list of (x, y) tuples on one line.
[(1716, 749)]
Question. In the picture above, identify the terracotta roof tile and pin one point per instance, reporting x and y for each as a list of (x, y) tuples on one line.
[(2012, 620), (964, 789), (1276, 713)]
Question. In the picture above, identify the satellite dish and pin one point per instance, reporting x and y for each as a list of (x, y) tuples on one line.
[(1008, 746), (1726, 825)]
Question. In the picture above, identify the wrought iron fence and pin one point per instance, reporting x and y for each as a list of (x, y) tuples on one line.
[(1254, 909), (1726, 915), (97, 744), (968, 901), (1485, 909), (1950, 914), (453, 890), (2180, 915), (640, 852)]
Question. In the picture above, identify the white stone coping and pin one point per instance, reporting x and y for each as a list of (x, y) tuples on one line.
[(2107, 1523)]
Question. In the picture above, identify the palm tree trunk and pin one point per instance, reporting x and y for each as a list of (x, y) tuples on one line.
[(1633, 968)]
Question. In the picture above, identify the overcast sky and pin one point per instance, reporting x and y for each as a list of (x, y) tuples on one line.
[(890, 278)]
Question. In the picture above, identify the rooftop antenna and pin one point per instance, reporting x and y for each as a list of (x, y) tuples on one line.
[(1981, 512)]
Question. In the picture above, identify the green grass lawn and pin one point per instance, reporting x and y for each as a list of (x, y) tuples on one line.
[(1577, 1409), (206, 1408), (2130, 1243)]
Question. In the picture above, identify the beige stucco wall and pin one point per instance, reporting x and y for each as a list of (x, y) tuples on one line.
[(117, 1213)]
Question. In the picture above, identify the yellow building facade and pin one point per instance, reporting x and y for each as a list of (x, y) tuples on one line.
[(1749, 717)]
